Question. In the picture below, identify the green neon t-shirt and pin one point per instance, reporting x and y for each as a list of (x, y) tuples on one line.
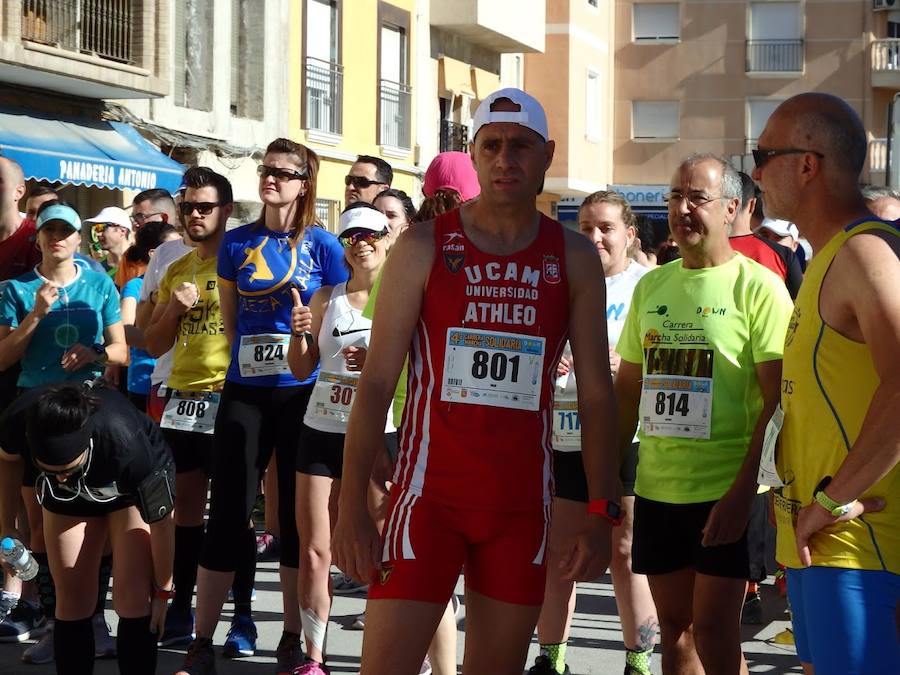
[(698, 334), (400, 391)]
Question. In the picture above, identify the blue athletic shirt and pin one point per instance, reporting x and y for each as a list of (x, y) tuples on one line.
[(264, 265), (142, 363), (84, 308)]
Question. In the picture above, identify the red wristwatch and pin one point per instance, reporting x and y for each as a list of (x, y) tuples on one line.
[(162, 594), (609, 510)]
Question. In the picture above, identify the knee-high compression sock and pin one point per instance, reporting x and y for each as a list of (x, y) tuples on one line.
[(136, 646), (188, 542), (45, 587), (638, 662), (73, 647), (557, 654), (103, 583), (245, 572)]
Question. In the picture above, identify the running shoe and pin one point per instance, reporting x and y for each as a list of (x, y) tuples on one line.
[(542, 666), (200, 659), (179, 628), (24, 622), (457, 605), (268, 547), (104, 643), (311, 668), (241, 638), (637, 663), (752, 613), (8, 602), (289, 653), (426, 667), (41, 651), (359, 623), (344, 585)]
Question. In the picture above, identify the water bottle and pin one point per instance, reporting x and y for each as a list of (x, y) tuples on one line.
[(14, 554)]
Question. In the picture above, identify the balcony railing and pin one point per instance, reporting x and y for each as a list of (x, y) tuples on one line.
[(324, 95), (774, 56), (886, 55), (878, 155), (101, 27), (454, 136), (396, 99)]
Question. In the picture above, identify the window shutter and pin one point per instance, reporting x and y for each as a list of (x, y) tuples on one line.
[(179, 35)]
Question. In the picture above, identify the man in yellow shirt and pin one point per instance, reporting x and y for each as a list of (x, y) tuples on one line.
[(838, 510), (187, 319)]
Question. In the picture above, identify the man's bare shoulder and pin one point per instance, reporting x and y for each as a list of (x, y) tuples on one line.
[(581, 256), (867, 256), (413, 254)]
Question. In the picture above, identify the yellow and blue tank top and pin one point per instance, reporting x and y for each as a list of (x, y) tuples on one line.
[(828, 384)]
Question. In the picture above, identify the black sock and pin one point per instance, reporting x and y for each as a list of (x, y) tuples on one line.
[(103, 583), (245, 572), (188, 541), (136, 646), (73, 647), (45, 587)]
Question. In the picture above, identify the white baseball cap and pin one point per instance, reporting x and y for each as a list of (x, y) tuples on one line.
[(783, 228), (531, 113), (112, 215), (362, 218)]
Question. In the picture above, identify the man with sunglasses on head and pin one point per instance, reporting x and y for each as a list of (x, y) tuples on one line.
[(701, 368), (103, 473), (482, 299), (187, 320), (837, 503), (367, 177)]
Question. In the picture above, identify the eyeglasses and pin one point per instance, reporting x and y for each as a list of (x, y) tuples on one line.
[(694, 201), (281, 175), (761, 156), (361, 182), (368, 236), (99, 228), (142, 218), (203, 208)]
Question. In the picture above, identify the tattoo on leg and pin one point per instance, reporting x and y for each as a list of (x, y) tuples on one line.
[(648, 633)]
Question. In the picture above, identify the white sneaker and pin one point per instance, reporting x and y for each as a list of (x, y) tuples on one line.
[(359, 623), (42, 650), (426, 667), (104, 643)]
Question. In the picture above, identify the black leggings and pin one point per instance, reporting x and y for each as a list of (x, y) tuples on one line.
[(251, 423)]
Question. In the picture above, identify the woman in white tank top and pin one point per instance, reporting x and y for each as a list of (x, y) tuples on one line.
[(334, 317)]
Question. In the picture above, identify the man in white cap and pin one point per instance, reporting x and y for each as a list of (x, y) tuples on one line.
[(113, 229), (483, 300)]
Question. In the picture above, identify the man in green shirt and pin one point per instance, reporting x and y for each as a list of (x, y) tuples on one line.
[(701, 368)]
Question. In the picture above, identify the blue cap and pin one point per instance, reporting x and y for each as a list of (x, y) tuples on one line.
[(59, 212)]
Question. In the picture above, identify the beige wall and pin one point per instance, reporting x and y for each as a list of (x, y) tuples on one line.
[(579, 38), (705, 71)]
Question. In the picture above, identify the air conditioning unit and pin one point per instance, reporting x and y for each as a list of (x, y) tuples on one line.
[(885, 4)]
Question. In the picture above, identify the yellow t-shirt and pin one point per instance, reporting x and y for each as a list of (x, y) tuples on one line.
[(828, 385), (202, 352)]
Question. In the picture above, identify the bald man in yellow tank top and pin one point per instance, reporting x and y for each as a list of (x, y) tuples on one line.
[(838, 510)]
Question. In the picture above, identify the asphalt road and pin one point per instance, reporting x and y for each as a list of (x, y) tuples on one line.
[(595, 646)]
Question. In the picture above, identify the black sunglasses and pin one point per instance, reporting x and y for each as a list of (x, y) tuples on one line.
[(203, 208), (761, 156), (361, 182), (279, 174)]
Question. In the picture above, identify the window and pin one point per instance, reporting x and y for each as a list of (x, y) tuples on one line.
[(592, 106), (776, 37), (247, 58), (192, 76), (654, 119), (395, 94), (324, 74), (654, 22), (328, 211), (758, 113)]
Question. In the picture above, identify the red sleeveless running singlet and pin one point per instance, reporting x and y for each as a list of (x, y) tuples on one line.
[(477, 422)]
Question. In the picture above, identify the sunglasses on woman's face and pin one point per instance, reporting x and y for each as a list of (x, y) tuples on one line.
[(351, 239), (281, 175)]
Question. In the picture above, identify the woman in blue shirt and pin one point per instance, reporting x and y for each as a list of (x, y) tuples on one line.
[(262, 404)]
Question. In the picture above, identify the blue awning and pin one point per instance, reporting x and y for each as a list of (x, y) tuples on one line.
[(98, 153)]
